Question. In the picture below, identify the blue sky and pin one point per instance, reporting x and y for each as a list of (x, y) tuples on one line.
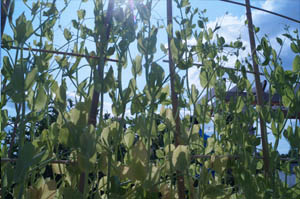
[(230, 17)]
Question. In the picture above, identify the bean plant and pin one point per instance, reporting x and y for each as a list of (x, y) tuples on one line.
[(49, 145)]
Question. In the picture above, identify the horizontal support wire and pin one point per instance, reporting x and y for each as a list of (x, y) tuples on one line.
[(60, 53), (257, 8), (196, 64)]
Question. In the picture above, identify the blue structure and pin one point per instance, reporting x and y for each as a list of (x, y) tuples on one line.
[(205, 137)]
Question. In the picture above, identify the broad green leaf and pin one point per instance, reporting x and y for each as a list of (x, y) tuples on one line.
[(295, 48), (160, 153), (161, 127), (88, 142), (210, 145), (24, 161), (141, 46), (79, 117), (194, 93), (41, 99), (7, 69), (137, 171), (286, 101), (137, 66), (180, 157), (67, 34), (215, 191), (129, 138), (139, 152), (279, 41), (64, 135), (240, 104), (200, 24), (81, 14), (174, 51), (296, 64), (7, 41), (61, 94), (203, 78), (20, 29), (210, 33)]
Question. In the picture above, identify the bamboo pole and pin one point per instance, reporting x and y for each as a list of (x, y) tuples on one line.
[(4, 12), (100, 70), (259, 91), (174, 98)]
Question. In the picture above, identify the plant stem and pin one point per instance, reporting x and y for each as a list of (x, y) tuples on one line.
[(174, 98)]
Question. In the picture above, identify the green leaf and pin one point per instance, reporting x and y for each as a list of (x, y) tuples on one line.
[(79, 117), (296, 64), (30, 79), (210, 33), (108, 82), (137, 66), (61, 95), (7, 69), (41, 99), (200, 24), (210, 145), (194, 94), (67, 34), (240, 104), (24, 161), (203, 78), (174, 51), (81, 14), (160, 153), (129, 138), (295, 48), (161, 127), (20, 30), (137, 171), (88, 142), (180, 157), (7, 41), (279, 41), (64, 136), (139, 152), (286, 101)]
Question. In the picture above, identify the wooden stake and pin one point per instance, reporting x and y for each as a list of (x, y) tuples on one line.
[(95, 100), (174, 98), (259, 90)]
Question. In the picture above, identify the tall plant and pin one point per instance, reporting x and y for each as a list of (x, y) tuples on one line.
[(54, 148)]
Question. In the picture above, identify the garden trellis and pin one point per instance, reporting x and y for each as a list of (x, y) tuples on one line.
[(107, 160)]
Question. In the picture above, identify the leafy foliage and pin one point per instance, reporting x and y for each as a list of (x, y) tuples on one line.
[(136, 157)]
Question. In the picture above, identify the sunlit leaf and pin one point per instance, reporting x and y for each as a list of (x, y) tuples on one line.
[(67, 34), (29, 81), (41, 99), (180, 158), (296, 64)]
